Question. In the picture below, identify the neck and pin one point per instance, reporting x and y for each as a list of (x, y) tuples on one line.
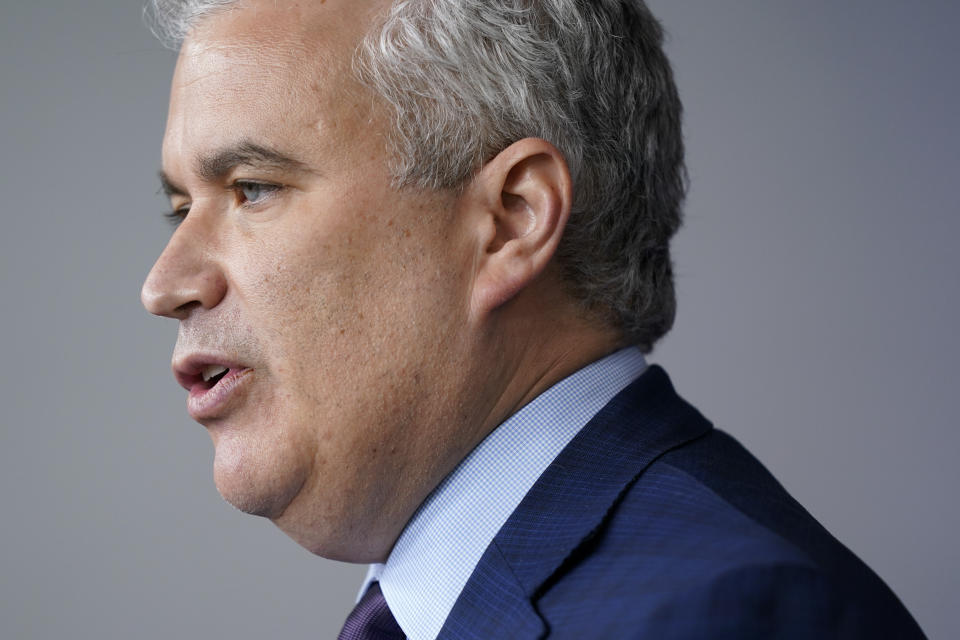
[(536, 342)]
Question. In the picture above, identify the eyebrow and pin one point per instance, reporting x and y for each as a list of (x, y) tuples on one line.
[(168, 186), (214, 166), (245, 153)]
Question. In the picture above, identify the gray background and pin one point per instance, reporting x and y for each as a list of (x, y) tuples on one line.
[(818, 299)]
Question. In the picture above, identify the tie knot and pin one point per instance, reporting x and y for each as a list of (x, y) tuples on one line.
[(371, 619)]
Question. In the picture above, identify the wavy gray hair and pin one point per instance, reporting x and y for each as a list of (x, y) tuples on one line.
[(467, 78)]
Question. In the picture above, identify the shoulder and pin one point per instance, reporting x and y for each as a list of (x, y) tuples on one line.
[(705, 542), (767, 600)]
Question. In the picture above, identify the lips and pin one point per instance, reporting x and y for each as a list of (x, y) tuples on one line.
[(214, 384)]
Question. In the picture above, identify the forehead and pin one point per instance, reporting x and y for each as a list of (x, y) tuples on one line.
[(275, 71)]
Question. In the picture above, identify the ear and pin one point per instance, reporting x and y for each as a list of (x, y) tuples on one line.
[(523, 198)]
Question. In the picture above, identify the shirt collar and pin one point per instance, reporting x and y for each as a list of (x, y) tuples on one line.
[(439, 548)]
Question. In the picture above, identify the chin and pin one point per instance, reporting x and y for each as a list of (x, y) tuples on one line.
[(333, 539), (254, 486), (248, 500)]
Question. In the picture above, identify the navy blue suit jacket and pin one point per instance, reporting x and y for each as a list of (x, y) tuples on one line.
[(653, 524)]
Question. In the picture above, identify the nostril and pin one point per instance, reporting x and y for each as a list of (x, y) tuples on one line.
[(184, 309)]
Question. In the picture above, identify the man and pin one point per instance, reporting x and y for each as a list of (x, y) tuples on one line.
[(422, 247)]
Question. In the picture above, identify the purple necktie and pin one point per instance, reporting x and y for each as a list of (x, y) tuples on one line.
[(371, 619)]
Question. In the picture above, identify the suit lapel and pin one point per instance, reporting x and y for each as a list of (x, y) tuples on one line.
[(492, 605), (568, 504)]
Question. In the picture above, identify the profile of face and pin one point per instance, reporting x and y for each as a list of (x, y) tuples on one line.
[(312, 297)]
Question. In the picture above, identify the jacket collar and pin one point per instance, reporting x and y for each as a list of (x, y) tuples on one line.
[(569, 504)]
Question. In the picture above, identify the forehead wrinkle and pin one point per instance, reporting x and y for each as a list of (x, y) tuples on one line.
[(202, 59), (240, 68), (230, 75), (257, 37), (280, 52)]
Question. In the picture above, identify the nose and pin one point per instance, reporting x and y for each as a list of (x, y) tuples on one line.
[(185, 276)]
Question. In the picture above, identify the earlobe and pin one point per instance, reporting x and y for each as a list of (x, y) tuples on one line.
[(527, 194)]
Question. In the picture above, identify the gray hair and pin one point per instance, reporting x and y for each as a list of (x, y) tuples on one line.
[(467, 78)]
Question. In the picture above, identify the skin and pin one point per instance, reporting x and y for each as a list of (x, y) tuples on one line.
[(386, 332)]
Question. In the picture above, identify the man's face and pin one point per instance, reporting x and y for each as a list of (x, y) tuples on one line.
[(327, 295)]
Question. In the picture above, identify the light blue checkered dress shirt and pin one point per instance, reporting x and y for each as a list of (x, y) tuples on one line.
[(443, 542)]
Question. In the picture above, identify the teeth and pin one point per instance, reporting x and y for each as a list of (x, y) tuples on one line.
[(212, 371)]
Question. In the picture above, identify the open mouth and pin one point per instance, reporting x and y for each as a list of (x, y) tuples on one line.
[(199, 377), (212, 387), (212, 374)]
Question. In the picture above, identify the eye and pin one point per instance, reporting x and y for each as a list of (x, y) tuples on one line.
[(253, 193)]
